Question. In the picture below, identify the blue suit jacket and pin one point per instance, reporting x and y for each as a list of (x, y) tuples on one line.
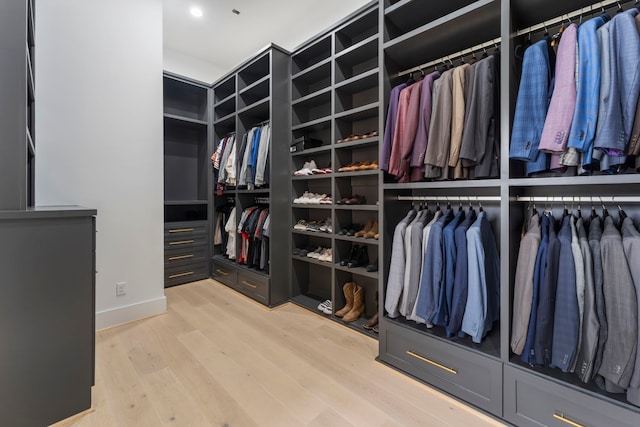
[(461, 277), (441, 317), (536, 87)]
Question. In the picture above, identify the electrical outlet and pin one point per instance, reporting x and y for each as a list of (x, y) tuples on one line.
[(121, 288)]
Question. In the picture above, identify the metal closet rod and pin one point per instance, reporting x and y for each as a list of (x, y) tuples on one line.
[(451, 198), (450, 58), (580, 199), (262, 200), (568, 16)]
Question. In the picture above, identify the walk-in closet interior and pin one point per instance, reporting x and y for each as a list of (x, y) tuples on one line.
[(457, 180)]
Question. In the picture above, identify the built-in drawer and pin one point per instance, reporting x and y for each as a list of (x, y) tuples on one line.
[(185, 273), (182, 255), (224, 273), (532, 400), (186, 228), (463, 373), (182, 240), (253, 285)]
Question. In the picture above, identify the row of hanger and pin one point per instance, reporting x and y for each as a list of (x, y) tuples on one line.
[(424, 204), (548, 210)]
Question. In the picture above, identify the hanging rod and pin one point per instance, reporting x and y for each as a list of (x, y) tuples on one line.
[(580, 199), (262, 200), (569, 16), (462, 53), (451, 198), (266, 122)]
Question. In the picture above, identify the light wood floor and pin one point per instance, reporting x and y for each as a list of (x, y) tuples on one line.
[(217, 358)]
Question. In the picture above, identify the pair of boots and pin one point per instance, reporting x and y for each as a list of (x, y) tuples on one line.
[(354, 295), (358, 257), (370, 231)]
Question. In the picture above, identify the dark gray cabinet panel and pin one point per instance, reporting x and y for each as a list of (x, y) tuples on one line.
[(47, 313), (468, 375), (531, 400), (186, 252)]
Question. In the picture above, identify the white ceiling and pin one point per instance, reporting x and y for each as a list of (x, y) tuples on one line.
[(225, 39)]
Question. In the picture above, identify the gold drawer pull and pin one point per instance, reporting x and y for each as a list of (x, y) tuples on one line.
[(244, 282), (224, 273), (431, 362), (183, 242), (562, 418), (181, 230), (188, 273), (175, 258)]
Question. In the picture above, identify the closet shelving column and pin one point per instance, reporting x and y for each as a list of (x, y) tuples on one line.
[(537, 395), (334, 96), (17, 95), (415, 35), (186, 180), (250, 96)]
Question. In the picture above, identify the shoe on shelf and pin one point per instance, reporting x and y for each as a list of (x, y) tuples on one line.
[(301, 225), (372, 231), (352, 255), (315, 198), (315, 253), (372, 165), (356, 200), (307, 169), (376, 329), (372, 267), (365, 230), (326, 200), (304, 251), (358, 305), (301, 198), (328, 308), (324, 304), (361, 259), (347, 289), (326, 256), (371, 323), (363, 166)]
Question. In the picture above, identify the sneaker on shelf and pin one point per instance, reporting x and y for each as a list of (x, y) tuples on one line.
[(326, 200), (325, 226), (323, 305), (328, 309), (326, 255), (301, 225), (315, 199), (300, 199), (307, 169), (316, 253)]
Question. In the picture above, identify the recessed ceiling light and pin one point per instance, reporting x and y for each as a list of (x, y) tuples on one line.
[(196, 11), (236, 11)]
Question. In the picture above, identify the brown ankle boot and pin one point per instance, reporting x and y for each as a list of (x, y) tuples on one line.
[(348, 289), (358, 304), (373, 231), (367, 228)]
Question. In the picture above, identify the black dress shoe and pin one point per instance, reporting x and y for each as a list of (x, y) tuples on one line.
[(361, 259), (354, 228), (372, 267), (352, 255)]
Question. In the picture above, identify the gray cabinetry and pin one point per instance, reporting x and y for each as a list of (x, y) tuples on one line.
[(334, 109), (249, 96), (47, 312), (187, 179)]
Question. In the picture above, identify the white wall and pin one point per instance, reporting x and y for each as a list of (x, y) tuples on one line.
[(186, 65), (99, 138)]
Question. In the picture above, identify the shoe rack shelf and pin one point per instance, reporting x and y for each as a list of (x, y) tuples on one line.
[(487, 375), (249, 96), (335, 99)]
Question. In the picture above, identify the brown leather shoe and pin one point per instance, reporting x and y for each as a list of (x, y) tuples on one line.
[(356, 200), (365, 230), (371, 323), (358, 304), (348, 290), (373, 231)]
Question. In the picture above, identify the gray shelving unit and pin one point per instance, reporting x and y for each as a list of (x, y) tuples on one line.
[(17, 105), (334, 94), (486, 375), (187, 179), (253, 93)]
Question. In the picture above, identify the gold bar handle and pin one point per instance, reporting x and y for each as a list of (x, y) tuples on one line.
[(181, 230), (244, 282), (562, 418), (183, 242), (175, 258), (431, 362), (224, 273), (188, 273)]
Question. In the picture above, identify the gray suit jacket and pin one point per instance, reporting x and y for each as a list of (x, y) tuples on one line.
[(413, 250), (619, 357), (395, 283), (631, 244), (436, 158)]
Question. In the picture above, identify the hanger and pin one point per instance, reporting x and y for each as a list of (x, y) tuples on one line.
[(579, 209), (605, 212), (484, 52), (593, 211), (460, 208), (480, 209), (448, 203), (619, 8), (565, 211)]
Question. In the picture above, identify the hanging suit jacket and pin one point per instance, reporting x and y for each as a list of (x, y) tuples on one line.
[(433, 270), (578, 260), (590, 322), (536, 86), (563, 101), (412, 240), (457, 121), (422, 134), (480, 139), (634, 143), (436, 158), (566, 321), (523, 286), (595, 235), (618, 359), (395, 282), (624, 87), (528, 353), (483, 302), (405, 132), (585, 115), (415, 287), (631, 244), (390, 126), (460, 289), (547, 302)]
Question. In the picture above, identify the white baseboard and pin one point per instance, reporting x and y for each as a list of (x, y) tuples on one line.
[(129, 313)]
